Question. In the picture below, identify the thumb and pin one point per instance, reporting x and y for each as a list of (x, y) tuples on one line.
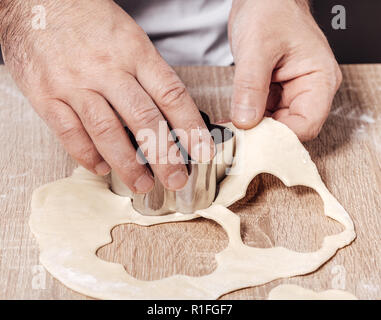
[(252, 81)]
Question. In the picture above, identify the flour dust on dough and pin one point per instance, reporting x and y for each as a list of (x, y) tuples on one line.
[(73, 217), (294, 292)]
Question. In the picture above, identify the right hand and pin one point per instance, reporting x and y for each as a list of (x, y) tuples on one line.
[(90, 56)]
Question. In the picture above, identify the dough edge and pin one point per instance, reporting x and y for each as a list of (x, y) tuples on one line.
[(71, 228)]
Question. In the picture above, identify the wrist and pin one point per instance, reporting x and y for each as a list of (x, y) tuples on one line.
[(278, 7)]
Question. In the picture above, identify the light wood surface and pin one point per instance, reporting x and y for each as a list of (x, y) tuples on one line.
[(347, 154)]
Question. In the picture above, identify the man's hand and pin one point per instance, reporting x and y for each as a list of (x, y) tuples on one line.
[(284, 66), (92, 56)]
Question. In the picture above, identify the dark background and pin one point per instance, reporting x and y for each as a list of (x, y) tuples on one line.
[(361, 41)]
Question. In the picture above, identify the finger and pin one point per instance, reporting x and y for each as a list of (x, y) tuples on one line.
[(251, 84), (144, 120), (110, 138), (63, 121), (169, 93), (309, 99)]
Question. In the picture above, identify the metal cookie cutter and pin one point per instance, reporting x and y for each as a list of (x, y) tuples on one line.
[(201, 188)]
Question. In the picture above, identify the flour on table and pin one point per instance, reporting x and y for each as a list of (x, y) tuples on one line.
[(73, 217), (294, 292)]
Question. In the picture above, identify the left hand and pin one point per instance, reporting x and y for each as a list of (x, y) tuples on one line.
[(285, 67)]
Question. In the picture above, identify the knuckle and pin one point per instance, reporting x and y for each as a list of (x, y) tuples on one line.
[(311, 133), (334, 74), (65, 127), (194, 124), (129, 166), (339, 76), (67, 131), (146, 48), (87, 154), (88, 106), (141, 47), (172, 95), (98, 125), (146, 116), (102, 127), (138, 35), (250, 85)]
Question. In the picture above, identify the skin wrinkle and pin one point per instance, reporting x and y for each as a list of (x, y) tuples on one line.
[(82, 67), (127, 72), (10, 11), (7, 9), (296, 51)]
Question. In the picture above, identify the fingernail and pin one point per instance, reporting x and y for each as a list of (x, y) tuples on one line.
[(203, 152), (144, 183), (243, 113), (102, 168), (177, 180)]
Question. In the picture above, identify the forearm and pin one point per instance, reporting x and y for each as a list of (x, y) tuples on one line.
[(6, 5)]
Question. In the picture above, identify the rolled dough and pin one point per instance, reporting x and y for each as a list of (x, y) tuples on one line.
[(73, 217)]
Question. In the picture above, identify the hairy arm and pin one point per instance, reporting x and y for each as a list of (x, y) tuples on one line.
[(92, 55), (9, 11), (14, 18)]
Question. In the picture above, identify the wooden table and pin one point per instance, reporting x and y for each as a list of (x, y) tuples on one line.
[(347, 154)]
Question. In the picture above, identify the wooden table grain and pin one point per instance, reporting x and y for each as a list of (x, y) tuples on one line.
[(347, 154)]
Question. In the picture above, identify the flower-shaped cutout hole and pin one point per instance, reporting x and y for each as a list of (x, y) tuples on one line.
[(160, 251), (79, 227), (274, 215)]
